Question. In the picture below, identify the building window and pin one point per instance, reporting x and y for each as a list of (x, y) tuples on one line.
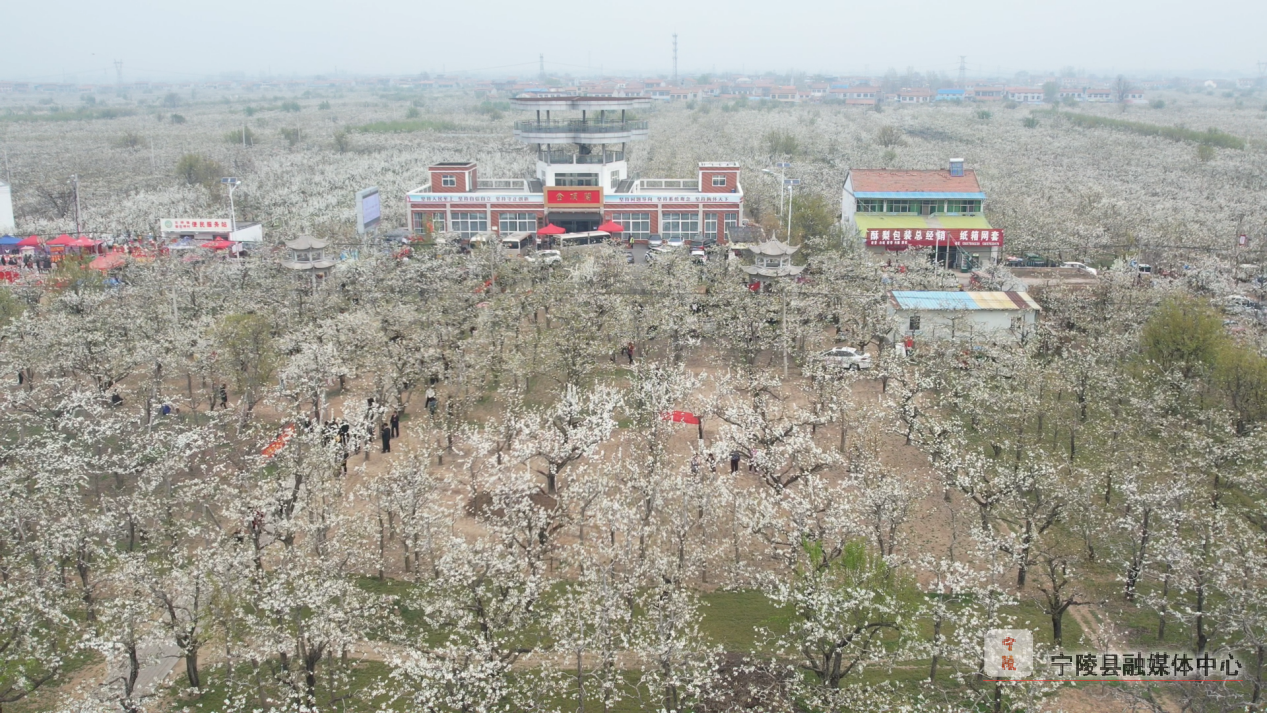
[(710, 225), (420, 223), (468, 225), (719, 180), (914, 323), (448, 181), (517, 223), (930, 207), (965, 206), (900, 207), (731, 221), (684, 225), (870, 205), (576, 179), (637, 225)]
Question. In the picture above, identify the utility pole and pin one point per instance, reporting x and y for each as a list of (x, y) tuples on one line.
[(963, 71), (541, 59), (74, 181), (675, 59), (783, 295), (118, 73)]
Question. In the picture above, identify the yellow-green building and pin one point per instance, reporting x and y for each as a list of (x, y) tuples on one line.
[(895, 210)]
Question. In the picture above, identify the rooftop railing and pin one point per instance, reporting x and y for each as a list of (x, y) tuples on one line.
[(570, 126), (556, 157), (515, 184)]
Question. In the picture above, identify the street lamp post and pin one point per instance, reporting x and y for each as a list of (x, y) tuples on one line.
[(791, 183), (232, 183), (782, 166)]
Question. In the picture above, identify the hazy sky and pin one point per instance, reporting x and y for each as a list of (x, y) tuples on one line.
[(79, 39)]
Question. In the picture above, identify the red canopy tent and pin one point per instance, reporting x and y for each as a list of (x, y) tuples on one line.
[(108, 261), (31, 242), (62, 240), (612, 226), (83, 243), (217, 244), (551, 229)]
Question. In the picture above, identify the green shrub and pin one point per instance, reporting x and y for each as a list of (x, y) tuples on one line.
[(242, 137), (1157, 104), (1211, 136), (1030, 122), (177, 119), (405, 127), (198, 170), (291, 106), (984, 114), (324, 106)]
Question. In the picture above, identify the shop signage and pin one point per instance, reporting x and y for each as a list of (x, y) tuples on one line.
[(927, 238), (203, 225), (574, 197)]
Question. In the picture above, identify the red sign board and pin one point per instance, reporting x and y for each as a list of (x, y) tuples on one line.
[(574, 197), (933, 237)]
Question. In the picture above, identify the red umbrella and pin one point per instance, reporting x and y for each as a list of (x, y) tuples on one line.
[(551, 229), (612, 226), (30, 242), (217, 244), (63, 240)]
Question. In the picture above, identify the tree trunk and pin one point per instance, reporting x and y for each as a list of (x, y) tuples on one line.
[(932, 669), (1137, 562), (1057, 628), (191, 667), (1258, 675)]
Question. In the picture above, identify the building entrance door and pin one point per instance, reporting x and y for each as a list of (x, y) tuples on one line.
[(576, 222)]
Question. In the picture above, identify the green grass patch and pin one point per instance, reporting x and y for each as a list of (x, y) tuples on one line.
[(732, 619), (405, 126), (76, 115), (1211, 136)]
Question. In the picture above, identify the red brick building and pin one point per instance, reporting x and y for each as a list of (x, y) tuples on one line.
[(581, 180)]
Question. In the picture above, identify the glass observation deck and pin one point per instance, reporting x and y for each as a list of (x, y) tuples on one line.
[(579, 131)]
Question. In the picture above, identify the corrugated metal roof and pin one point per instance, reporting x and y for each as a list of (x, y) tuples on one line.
[(930, 300)]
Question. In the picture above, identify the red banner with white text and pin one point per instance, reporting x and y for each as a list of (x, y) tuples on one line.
[(930, 237)]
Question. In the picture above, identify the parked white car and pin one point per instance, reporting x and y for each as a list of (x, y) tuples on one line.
[(546, 257), (657, 252), (655, 241), (675, 241), (1082, 267), (846, 357), (698, 255)]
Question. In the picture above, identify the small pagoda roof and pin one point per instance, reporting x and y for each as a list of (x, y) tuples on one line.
[(306, 242), (783, 271), (772, 248)]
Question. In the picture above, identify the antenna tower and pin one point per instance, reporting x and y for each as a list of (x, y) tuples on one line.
[(963, 70), (675, 58), (118, 72), (541, 58)]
